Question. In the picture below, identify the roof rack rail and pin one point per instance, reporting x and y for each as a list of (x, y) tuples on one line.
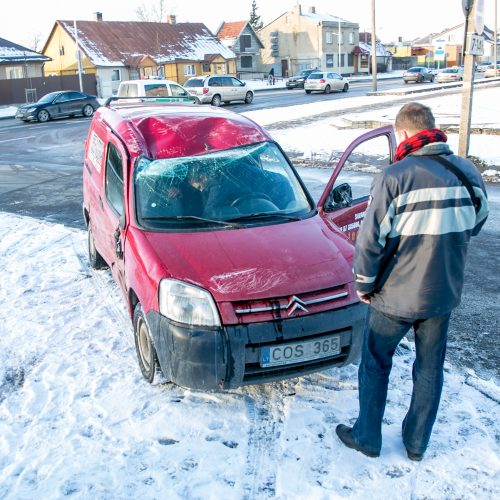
[(165, 100)]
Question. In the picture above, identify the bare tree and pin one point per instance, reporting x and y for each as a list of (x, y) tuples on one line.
[(153, 13), (34, 43)]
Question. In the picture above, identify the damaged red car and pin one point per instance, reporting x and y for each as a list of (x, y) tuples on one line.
[(231, 272)]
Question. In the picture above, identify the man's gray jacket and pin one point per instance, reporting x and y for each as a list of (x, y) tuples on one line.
[(412, 244)]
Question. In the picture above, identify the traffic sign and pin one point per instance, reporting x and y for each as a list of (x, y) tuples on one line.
[(475, 45), (478, 17)]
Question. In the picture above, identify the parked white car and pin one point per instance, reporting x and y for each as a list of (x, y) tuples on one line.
[(153, 88), (490, 72), (215, 89), (450, 75), (325, 81)]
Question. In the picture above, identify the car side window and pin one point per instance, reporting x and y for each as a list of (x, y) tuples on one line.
[(76, 95), (236, 83), (178, 91), (214, 82), (114, 179), (62, 98)]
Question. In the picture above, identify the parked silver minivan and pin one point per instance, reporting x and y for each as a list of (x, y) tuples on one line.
[(215, 89)]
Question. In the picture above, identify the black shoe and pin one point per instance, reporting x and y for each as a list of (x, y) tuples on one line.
[(416, 457), (345, 435)]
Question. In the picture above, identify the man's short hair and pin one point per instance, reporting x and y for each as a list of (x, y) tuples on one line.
[(415, 116)]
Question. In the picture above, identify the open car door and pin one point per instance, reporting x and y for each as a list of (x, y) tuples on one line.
[(346, 195)]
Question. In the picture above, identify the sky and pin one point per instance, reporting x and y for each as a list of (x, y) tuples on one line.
[(29, 18)]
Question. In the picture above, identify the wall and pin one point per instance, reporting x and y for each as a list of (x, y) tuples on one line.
[(13, 91)]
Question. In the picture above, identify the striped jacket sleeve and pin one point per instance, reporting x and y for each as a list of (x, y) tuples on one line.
[(372, 236)]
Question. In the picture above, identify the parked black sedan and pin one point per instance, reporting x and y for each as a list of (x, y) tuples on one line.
[(58, 104)]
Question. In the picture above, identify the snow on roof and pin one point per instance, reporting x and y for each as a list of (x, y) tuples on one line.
[(11, 52), (116, 43), (381, 50)]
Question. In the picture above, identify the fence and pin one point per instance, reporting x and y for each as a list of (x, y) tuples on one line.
[(21, 90)]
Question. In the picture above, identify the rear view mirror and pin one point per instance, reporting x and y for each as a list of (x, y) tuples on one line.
[(340, 197)]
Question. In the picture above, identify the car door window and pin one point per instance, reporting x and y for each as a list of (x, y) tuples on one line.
[(236, 83), (178, 91), (62, 98), (114, 179)]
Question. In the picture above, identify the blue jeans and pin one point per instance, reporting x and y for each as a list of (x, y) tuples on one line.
[(383, 334)]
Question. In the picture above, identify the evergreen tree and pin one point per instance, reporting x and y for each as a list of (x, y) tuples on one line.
[(255, 20)]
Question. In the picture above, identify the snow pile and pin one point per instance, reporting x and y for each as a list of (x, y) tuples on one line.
[(76, 417)]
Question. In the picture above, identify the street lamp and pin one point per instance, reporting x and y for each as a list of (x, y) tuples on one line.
[(374, 51)]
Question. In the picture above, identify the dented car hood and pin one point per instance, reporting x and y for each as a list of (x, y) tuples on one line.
[(258, 262)]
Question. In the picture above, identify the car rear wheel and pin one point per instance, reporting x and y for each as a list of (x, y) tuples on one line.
[(43, 116), (88, 110), (308, 91), (216, 100), (144, 347), (95, 258), (327, 89), (249, 97), (346, 88)]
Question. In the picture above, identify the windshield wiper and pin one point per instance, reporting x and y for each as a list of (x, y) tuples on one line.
[(191, 217), (263, 215)]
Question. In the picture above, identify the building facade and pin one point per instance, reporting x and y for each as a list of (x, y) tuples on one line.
[(299, 40)]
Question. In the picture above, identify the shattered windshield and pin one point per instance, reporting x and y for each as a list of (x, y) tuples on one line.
[(251, 184)]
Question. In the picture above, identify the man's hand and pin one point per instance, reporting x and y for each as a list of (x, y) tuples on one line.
[(364, 298)]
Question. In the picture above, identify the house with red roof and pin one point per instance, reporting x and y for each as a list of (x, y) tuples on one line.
[(241, 38), (129, 50)]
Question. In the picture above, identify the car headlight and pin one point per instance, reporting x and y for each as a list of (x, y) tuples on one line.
[(29, 110), (187, 304)]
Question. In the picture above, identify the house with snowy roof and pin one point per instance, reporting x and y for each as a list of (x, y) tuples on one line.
[(129, 50), (242, 39), (299, 40), (364, 50), (17, 61)]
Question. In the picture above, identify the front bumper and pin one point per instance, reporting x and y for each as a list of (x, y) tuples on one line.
[(229, 356), (294, 85), (25, 115)]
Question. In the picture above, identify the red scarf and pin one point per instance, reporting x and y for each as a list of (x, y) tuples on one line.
[(418, 141)]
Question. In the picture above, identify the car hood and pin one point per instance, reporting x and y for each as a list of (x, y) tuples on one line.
[(258, 262), (32, 105)]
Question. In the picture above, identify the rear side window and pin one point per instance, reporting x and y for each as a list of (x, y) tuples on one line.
[(194, 82), (156, 90), (114, 179), (215, 82)]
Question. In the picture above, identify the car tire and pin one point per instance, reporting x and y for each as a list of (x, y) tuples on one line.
[(88, 110), (95, 258), (144, 347), (43, 116), (249, 98), (406, 82), (327, 89), (346, 88), (216, 100), (420, 79), (432, 79), (308, 91)]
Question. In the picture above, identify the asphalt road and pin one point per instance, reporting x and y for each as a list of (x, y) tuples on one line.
[(40, 176)]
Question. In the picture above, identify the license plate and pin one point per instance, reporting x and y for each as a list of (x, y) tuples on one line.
[(297, 352)]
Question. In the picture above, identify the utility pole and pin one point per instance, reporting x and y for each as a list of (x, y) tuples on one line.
[(374, 51), (474, 25), (78, 57), (495, 38), (339, 36)]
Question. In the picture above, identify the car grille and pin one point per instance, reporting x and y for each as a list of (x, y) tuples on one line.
[(290, 306)]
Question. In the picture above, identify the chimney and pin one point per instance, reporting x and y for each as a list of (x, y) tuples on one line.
[(98, 16), (400, 39), (171, 19), (312, 10)]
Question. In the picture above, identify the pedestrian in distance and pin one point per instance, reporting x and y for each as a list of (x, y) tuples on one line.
[(409, 267), (271, 80)]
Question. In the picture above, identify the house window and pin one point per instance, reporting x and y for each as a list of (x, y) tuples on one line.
[(134, 74), (115, 75), (329, 37), (14, 72), (189, 70), (205, 67), (61, 50), (351, 38), (246, 62), (329, 60), (350, 59), (245, 42)]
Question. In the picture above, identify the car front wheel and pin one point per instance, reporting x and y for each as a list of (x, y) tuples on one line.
[(144, 347), (249, 97), (346, 88), (43, 116)]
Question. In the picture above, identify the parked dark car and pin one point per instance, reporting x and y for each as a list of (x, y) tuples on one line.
[(297, 81), (59, 104), (418, 74)]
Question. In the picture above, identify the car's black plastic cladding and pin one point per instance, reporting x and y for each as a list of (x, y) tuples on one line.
[(214, 359)]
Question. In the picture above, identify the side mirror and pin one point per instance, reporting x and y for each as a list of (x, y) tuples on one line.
[(340, 197), (243, 84)]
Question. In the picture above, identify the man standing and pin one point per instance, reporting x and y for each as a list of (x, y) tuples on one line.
[(409, 265)]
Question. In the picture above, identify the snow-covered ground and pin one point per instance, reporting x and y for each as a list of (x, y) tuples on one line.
[(77, 419)]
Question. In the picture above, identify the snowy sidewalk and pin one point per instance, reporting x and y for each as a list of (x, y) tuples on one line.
[(76, 417)]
